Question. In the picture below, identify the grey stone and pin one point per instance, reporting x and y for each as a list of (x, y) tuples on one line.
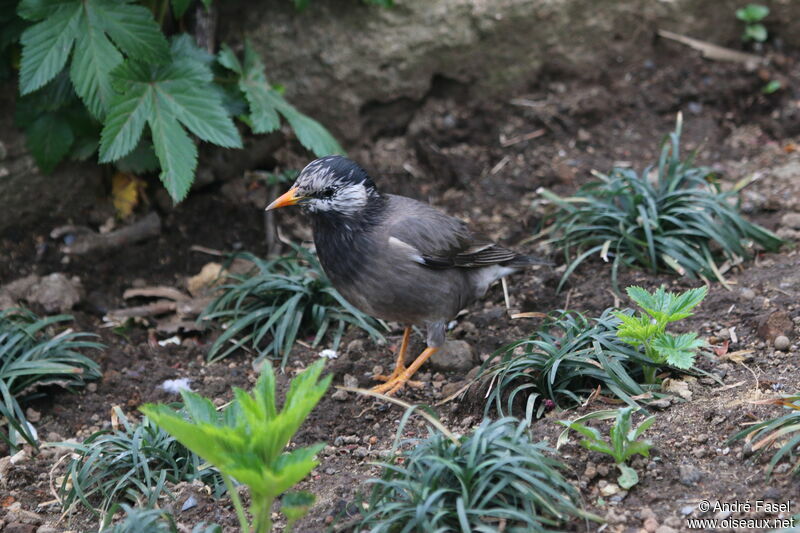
[(689, 475), (55, 293), (454, 356), (372, 67), (340, 396), (781, 342), (791, 220)]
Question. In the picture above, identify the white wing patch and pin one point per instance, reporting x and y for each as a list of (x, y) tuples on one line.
[(412, 252)]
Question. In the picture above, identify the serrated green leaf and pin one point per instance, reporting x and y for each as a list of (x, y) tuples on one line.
[(266, 104), (311, 133), (125, 121), (200, 109), (134, 30), (47, 44), (176, 152), (49, 139), (94, 59), (179, 7), (168, 97), (678, 350)]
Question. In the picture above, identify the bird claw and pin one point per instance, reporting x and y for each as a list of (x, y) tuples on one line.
[(395, 384)]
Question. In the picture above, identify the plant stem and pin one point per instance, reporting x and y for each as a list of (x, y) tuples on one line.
[(237, 504), (261, 509), (650, 374)]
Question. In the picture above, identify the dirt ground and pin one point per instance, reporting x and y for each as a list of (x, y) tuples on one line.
[(484, 163)]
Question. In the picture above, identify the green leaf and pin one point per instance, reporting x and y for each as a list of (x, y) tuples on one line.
[(266, 103), (636, 328), (49, 139), (310, 133), (125, 121), (47, 44), (295, 505), (179, 7), (755, 32), (628, 476), (168, 98), (133, 29), (752, 13), (176, 153), (95, 57), (678, 350)]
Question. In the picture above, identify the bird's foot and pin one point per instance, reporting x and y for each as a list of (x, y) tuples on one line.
[(396, 381)]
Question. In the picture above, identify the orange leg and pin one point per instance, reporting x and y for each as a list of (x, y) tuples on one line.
[(400, 366), (397, 383)]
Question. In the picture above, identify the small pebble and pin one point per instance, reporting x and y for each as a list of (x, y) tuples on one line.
[(748, 294), (781, 342), (340, 396), (361, 452)]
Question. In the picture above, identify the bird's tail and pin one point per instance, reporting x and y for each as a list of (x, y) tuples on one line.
[(522, 261)]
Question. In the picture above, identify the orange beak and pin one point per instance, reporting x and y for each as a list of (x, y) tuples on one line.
[(290, 197)]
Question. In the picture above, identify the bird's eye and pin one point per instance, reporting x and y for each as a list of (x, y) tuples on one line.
[(327, 193)]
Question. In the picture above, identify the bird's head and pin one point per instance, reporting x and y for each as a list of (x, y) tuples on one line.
[(330, 185)]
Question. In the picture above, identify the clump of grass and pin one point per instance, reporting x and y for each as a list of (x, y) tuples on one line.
[(33, 356), (782, 432), (564, 361), (674, 216), (279, 299), (494, 476), (150, 520), (132, 463)]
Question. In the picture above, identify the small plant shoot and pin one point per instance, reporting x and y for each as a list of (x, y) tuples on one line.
[(647, 330), (247, 442), (622, 443), (752, 15)]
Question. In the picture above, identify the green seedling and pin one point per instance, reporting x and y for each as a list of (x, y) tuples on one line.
[(622, 443), (752, 15), (246, 441), (648, 330), (772, 87)]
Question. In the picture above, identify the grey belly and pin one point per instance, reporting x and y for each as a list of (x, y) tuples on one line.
[(410, 293)]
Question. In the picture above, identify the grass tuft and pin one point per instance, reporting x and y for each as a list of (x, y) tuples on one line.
[(278, 300), (565, 361), (674, 216), (493, 479), (32, 356), (150, 520), (132, 463), (782, 432)]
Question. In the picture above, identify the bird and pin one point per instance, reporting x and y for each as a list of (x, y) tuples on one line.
[(395, 258)]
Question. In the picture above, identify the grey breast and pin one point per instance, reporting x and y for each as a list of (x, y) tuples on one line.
[(397, 285)]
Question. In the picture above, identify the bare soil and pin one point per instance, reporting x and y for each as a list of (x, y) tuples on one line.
[(483, 162)]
